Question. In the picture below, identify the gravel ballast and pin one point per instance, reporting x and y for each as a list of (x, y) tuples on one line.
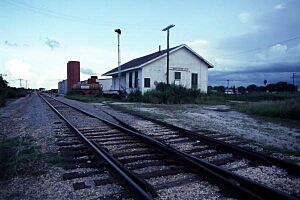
[(30, 116)]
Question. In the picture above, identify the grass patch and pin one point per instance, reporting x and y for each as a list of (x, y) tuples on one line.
[(283, 150), (263, 96), (177, 94), (131, 110), (88, 98), (289, 109), (18, 156), (54, 159)]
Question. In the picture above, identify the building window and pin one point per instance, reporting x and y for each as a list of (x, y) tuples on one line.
[(177, 75), (130, 79), (194, 80), (136, 79), (146, 82)]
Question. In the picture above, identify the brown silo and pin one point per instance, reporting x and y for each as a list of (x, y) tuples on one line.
[(73, 73)]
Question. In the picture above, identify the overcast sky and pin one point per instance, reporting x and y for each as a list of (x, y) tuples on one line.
[(246, 41)]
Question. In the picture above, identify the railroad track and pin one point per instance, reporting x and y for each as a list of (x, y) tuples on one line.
[(156, 169)]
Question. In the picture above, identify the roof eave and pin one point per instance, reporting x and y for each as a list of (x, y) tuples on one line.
[(125, 70)]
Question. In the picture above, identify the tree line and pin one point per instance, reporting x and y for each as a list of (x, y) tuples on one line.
[(7, 92), (273, 87)]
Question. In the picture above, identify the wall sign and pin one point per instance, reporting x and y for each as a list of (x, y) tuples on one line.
[(179, 69)]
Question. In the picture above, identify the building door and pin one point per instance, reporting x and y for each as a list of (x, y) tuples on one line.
[(194, 81)]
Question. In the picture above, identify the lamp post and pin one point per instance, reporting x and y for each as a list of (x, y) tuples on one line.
[(168, 33), (118, 31)]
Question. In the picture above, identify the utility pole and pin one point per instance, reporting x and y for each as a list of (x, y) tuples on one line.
[(293, 77), (227, 83), (20, 81), (26, 84), (118, 31), (168, 35)]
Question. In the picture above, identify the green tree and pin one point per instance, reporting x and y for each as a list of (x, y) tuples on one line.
[(3, 87), (3, 83)]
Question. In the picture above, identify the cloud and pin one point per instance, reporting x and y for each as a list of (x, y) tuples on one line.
[(280, 6), (13, 44), (87, 71), (244, 17), (197, 43), (273, 72), (10, 44), (53, 44), (18, 69), (278, 49)]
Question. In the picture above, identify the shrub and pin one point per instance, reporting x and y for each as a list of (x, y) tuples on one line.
[(135, 96), (171, 94), (18, 156), (2, 101), (283, 109)]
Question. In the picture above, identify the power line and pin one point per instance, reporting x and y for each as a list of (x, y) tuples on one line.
[(294, 77), (72, 18)]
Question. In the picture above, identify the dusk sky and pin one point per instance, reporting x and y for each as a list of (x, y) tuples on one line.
[(246, 41)]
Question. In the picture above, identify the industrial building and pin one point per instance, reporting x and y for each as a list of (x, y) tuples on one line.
[(73, 74), (105, 84), (93, 85), (62, 87), (187, 68)]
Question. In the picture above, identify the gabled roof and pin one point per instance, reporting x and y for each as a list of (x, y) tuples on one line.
[(141, 61)]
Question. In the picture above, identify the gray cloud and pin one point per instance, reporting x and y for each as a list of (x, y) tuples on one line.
[(273, 73), (270, 28), (87, 71), (53, 44), (13, 44), (271, 51)]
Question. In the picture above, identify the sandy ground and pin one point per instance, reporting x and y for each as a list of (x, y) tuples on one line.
[(277, 135)]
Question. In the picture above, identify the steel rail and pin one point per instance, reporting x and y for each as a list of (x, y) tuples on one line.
[(241, 185), (291, 168), (130, 181)]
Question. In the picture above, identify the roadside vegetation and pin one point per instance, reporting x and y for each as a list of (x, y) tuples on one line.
[(279, 100), (18, 156), (289, 108), (7, 92), (21, 156), (89, 98)]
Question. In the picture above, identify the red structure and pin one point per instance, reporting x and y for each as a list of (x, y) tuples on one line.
[(73, 73), (92, 80)]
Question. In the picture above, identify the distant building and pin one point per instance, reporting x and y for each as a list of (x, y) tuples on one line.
[(105, 84), (63, 87), (73, 74), (229, 91), (186, 68), (89, 86)]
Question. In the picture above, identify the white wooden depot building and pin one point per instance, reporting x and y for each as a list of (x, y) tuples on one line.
[(186, 68)]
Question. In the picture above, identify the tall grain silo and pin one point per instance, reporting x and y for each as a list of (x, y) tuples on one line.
[(73, 73)]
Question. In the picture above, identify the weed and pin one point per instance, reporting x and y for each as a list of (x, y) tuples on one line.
[(54, 159), (19, 156), (88, 98), (282, 109)]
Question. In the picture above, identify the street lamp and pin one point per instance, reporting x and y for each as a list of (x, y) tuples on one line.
[(118, 31), (167, 29)]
